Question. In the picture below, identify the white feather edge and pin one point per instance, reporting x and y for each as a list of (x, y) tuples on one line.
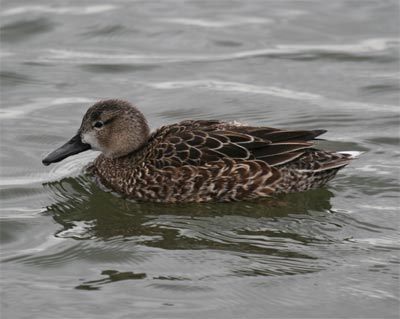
[(353, 154)]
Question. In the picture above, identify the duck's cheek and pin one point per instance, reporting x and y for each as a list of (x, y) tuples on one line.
[(91, 139)]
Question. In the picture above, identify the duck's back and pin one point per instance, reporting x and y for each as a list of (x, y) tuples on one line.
[(197, 161)]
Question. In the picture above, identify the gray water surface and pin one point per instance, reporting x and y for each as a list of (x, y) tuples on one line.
[(71, 249)]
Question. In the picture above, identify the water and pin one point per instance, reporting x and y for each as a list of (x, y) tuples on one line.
[(73, 250)]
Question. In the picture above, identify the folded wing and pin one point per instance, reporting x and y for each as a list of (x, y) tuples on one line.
[(200, 142)]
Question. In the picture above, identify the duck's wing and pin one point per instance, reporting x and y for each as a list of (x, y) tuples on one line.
[(200, 142)]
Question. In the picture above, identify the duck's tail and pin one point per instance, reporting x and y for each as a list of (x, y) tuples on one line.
[(314, 170)]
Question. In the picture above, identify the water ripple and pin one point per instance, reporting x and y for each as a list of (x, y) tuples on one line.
[(84, 10), (363, 47), (22, 30), (57, 251), (227, 22), (315, 99), (38, 104), (10, 78)]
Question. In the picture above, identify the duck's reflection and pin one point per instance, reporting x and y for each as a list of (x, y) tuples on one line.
[(94, 212), (271, 237)]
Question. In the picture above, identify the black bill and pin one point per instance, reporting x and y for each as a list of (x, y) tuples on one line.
[(73, 146)]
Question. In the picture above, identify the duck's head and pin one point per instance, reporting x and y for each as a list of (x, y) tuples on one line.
[(114, 127)]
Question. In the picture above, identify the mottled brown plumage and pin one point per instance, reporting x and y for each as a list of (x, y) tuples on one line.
[(199, 161)]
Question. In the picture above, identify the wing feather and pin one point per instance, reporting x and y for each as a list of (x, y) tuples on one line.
[(200, 142)]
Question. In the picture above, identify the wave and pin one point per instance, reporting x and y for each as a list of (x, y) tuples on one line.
[(315, 99), (69, 167), (350, 51), (227, 22), (59, 10), (38, 104)]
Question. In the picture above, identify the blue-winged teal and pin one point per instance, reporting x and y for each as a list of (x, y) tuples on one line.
[(197, 161)]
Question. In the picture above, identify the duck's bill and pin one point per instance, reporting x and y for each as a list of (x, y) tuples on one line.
[(72, 147)]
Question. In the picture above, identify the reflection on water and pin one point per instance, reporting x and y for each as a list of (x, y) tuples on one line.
[(82, 200), (273, 234), (113, 275), (271, 237), (290, 235)]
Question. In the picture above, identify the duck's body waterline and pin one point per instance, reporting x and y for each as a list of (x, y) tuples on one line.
[(198, 161)]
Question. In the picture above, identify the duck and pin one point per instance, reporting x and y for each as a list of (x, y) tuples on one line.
[(197, 160)]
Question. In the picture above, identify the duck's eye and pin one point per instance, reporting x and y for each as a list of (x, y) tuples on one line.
[(99, 124)]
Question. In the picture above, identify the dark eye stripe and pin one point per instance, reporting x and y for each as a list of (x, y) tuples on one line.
[(109, 120), (100, 124)]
